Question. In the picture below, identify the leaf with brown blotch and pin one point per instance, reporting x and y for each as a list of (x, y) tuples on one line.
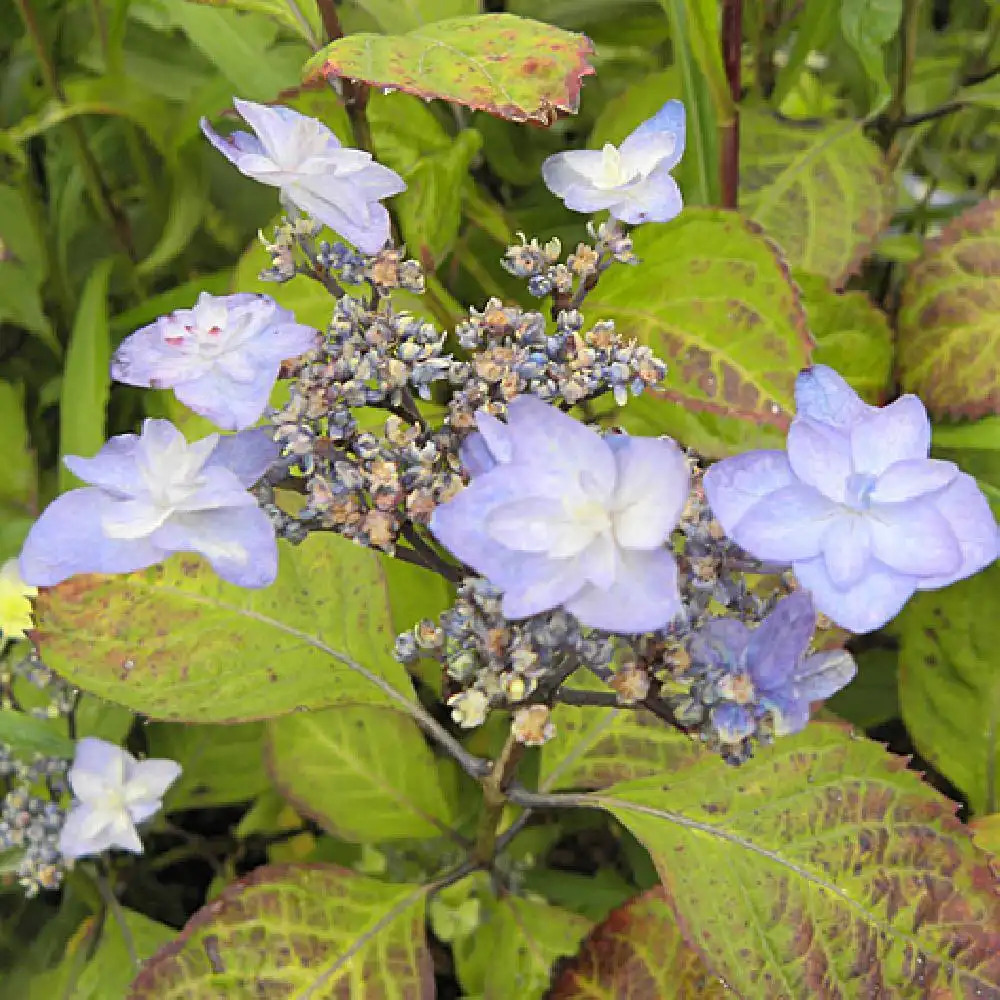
[(308, 931), (714, 299), (822, 868), (823, 194), (638, 952), (509, 66), (949, 318)]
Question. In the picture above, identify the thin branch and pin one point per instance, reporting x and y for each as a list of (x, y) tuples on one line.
[(355, 93), (732, 51), (111, 902), (928, 116)]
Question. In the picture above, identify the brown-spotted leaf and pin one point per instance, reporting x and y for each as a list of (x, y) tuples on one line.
[(509, 66), (822, 193), (714, 299), (638, 952), (823, 868), (949, 319), (175, 642), (304, 931)]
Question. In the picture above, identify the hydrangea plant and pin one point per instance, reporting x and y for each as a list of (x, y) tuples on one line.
[(592, 615)]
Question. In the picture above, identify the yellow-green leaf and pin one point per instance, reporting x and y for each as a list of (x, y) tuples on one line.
[(822, 868), (365, 774), (175, 642), (510, 66), (949, 318), (304, 931), (821, 192), (714, 300)]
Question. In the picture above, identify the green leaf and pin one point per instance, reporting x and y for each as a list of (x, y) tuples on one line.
[(868, 26), (241, 49), (365, 774), (395, 17), (27, 735), (637, 951), (510, 66), (975, 448), (21, 302), (949, 318), (221, 766), (83, 400), (301, 16), (175, 642), (19, 482), (950, 683), (715, 301), (598, 747), (702, 36), (89, 973), (814, 30), (408, 138), (511, 951), (822, 193), (20, 237), (852, 336), (299, 930), (820, 868), (702, 149), (873, 696), (188, 203), (982, 95)]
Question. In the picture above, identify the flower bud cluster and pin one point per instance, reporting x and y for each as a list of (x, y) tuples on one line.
[(31, 816), (490, 662)]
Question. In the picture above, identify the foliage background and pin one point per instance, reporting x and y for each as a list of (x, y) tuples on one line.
[(870, 146)]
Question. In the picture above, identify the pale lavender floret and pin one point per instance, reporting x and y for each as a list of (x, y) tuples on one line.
[(339, 186), (767, 669), (221, 357), (112, 793), (556, 515), (855, 505), (633, 180), (152, 495)]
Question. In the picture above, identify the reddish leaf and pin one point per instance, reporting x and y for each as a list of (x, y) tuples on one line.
[(637, 953), (509, 66)]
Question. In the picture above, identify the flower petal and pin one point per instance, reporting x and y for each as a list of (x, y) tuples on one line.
[(113, 468), (149, 779), (892, 434), (777, 645), (911, 478), (536, 583), (85, 832), (822, 394), (785, 525), (655, 198), (651, 490), (720, 643), (643, 598), (735, 484), (69, 538), (229, 404), (239, 542), (972, 523), (325, 202), (876, 598), (248, 454), (820, 455), (97, 766), (823, 674), (914, 537), (550, 441), (847, 548), (670, 119)]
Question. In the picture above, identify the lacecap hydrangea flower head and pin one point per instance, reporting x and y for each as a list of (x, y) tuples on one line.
[(221, 357), (154, 494), (766, 670), (632, 181), (112, 793), (855, 505), (339, 186), (557, 515)]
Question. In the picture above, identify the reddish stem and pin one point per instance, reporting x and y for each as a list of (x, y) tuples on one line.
[(729, 154)]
